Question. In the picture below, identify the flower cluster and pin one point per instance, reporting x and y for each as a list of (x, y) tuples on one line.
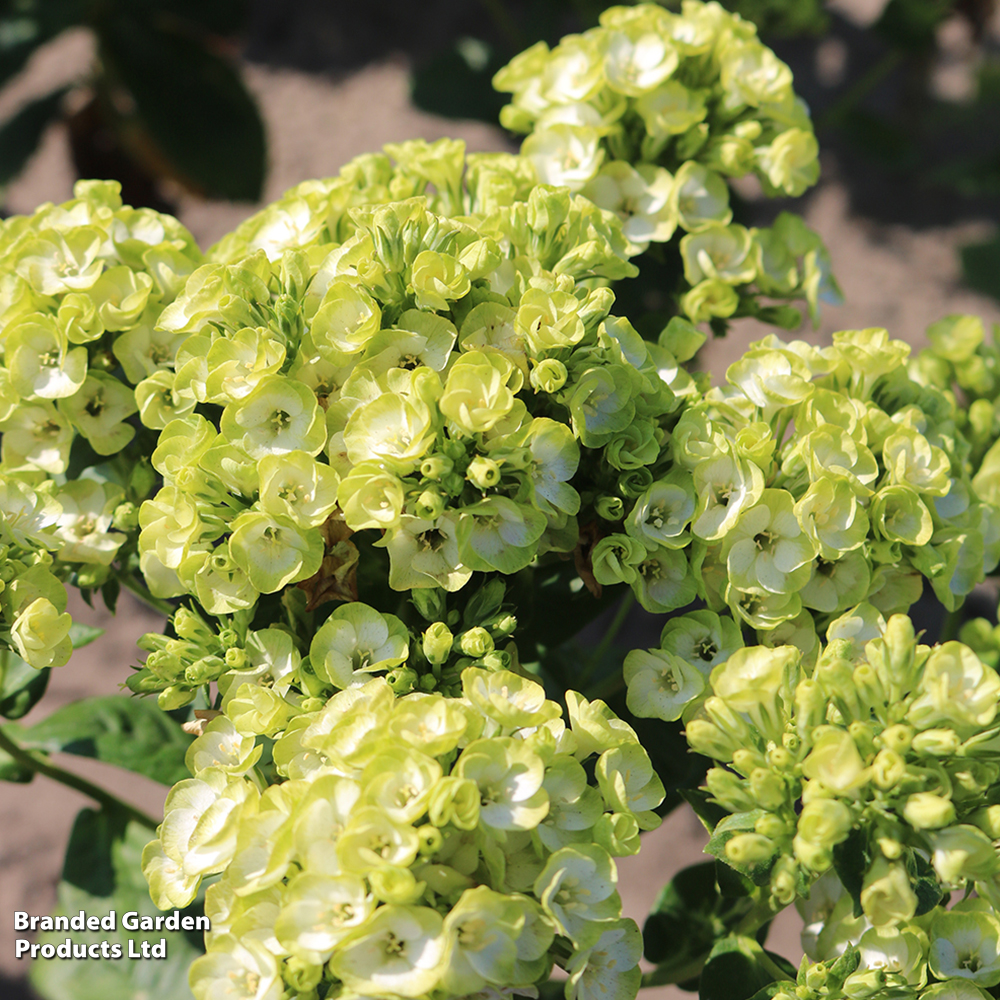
[(82, 286), (946, 952), (962, 360), (433, 382), (406, 845), (815, 480), (884, 744), (648, 115)]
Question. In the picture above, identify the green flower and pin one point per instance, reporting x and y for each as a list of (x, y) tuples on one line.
[(273, 550), (766, 547), (398, 951), (356, 640)]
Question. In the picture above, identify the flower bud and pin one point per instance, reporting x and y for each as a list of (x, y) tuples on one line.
[(401, 680), (476, 642), (937, 742), (504, 625), (898, 737), (888, 769), (548, 375), (988, 820), (430, 839), (436, 466), (728, 790), (394, 884), (483, 472), (429, 506), (771, 826), (125, 517), (437, 643), (174, 697), (235, 658), (768, 788), (610, 507), (749, 849), (927, 811), (301, 975)]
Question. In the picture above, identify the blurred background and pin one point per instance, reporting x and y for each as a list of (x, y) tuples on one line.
[(209, 108)]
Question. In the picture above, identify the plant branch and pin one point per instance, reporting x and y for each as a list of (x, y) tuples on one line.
[(41, 763)]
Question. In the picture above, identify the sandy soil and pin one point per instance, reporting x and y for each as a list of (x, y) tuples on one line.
[(892, 276)]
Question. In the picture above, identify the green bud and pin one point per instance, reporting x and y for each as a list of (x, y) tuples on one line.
[(174, 697), (504, 626), (435, 467), (394, 884), (437, 643), (430, 839), (768, 788), (888, 769), (548, 376), (476, 642), (771, 826), (429, 506), (92, 577), (208, 668), (453, 484), (749, 849), (887, 897), (610, 508), (988, 820), (496, 659), (235, 658), (483, 473), (125, 517), (898, 737), (937, 742), (301, 975), (728, 790), (401, 680), (927, 811)]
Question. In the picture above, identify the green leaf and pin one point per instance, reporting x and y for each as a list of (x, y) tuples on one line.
[(852, 858), (21, 685), (430, 603), (924, 881), (485, 602), (981, 266), (83, 635), (679, 927), (744, 822), (102, 872), (116, 729), (20, 135), (708, 811), (738, 969), (193, 104)]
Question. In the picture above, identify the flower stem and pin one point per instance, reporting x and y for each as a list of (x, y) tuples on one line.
[(609, 638), (160, 604), (42, 764)]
